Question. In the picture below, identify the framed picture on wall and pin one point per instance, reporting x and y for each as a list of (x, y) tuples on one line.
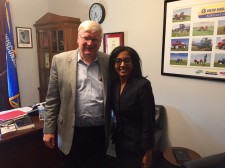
[(112, 40), (24, 37), (194, 39)]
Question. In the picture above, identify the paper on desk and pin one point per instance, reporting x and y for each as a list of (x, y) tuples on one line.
[(25, 109), (9, 128), (12, 114)]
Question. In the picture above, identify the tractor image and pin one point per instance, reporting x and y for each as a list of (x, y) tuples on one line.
[(222, 61), (204, 43), (221, 44), (182, 28), (178, 44)]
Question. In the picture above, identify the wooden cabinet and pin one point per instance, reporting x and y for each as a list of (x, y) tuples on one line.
[(55, 34)]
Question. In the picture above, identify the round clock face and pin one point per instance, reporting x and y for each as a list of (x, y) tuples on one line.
[(97, 12)]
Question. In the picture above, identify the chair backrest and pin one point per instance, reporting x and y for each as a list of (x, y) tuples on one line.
[(213, 161), (159, 114)]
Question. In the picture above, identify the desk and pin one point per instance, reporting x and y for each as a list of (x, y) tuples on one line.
[(171, 160), (25, 148)]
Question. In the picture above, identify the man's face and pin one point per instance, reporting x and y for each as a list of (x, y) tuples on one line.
[(89, 43)]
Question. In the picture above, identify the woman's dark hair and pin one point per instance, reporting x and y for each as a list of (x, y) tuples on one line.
[(136, 72)]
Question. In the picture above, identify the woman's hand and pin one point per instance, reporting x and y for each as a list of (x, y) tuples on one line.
[(147, 159)]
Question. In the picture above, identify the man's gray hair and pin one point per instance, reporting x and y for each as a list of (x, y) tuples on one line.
[(90, 26)]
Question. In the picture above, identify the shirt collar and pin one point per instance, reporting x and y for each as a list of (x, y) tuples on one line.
[(80, 59)]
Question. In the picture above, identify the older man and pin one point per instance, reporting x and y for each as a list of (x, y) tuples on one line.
[(77, 102)]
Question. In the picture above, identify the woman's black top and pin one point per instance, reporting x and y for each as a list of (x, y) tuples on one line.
[(134, 109)]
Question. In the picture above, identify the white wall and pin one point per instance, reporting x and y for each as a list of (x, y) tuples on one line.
[(195, 108), (24, 13)]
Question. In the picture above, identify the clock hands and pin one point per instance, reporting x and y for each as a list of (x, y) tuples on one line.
[(97, 12)]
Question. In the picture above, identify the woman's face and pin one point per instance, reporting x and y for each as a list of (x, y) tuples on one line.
[(123, 64)]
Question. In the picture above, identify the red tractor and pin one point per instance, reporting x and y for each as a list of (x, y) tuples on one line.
[(178, 44), (221, 44)]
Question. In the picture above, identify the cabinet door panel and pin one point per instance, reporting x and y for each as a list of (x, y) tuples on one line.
[(54, 41), (60, 41), (55, 34), (44, 72), (43, 40)]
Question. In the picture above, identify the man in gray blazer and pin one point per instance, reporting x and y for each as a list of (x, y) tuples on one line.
[(77, 101)]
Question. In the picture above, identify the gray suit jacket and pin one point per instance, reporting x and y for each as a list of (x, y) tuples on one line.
[(61, 97)]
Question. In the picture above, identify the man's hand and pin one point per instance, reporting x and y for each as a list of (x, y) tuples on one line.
[(49, 140), (147, 159)]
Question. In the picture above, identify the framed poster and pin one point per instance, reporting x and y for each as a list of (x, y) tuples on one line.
[(194, 39), (112, 40), (24, 37)]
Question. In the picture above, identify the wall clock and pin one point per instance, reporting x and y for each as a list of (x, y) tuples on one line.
[(97, 12)]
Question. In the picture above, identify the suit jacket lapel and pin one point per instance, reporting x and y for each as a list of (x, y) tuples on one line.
[(72, 66), (102, 64)]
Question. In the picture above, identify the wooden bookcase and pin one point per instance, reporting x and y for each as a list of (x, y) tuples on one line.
[(55, 34)]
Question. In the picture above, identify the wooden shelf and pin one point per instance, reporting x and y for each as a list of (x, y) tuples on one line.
[(55, 34)]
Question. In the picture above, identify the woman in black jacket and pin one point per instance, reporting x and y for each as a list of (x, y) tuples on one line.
[(134, 107)]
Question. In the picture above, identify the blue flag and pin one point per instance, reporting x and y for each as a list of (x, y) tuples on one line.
[(13, 87)]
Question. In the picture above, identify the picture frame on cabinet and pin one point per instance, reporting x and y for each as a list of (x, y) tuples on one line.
[(24, 37)]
